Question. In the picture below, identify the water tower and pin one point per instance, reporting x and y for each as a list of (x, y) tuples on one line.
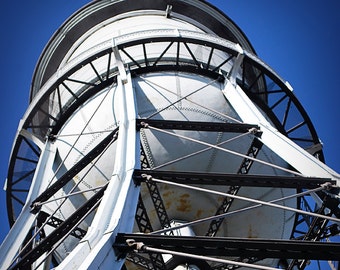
[(155, 138)]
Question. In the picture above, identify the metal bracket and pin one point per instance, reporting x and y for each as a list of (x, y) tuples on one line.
[(232, 75), (168, 11)]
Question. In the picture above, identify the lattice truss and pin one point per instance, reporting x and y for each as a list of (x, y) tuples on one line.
[(315, 224)]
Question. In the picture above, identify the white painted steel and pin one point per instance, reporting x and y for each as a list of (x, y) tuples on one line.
[(160, 90), (169, 95), (95, 249), (17, 234), (271, 137)]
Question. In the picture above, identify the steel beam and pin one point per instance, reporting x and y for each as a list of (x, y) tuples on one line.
[(194, 178), (246, 164), (64, 228), (81, 164), (230, 247), (196, 125)]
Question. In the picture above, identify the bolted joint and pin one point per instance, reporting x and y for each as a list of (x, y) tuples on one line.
[(256, 132), (147, 177), (136, 246), (144, 125), (51, 137), (35, 208), (141, 124), (332, 190)]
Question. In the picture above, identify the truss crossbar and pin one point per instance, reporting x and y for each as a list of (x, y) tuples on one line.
[(158, 204), (144, 225), (81, 99), (142, 218), (221, 246), (56, 222), (47, 243), (141, 261), (196, 125), (246, 164), (143, 221), (155, 262), (194, 178), (314, 233), (81, 164)]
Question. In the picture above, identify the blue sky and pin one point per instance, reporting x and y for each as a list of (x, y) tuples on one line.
[(298, 39)]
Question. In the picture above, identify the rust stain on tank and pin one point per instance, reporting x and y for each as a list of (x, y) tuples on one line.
[(168, 193), (184, 203), (250, 232), (168, 198), (168, 204), (220, 199), (199, 213)]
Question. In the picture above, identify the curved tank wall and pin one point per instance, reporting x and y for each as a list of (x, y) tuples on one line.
[(153, 93), (175, 71)]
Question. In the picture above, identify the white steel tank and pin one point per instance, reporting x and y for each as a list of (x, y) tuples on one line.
[(148, 117)]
